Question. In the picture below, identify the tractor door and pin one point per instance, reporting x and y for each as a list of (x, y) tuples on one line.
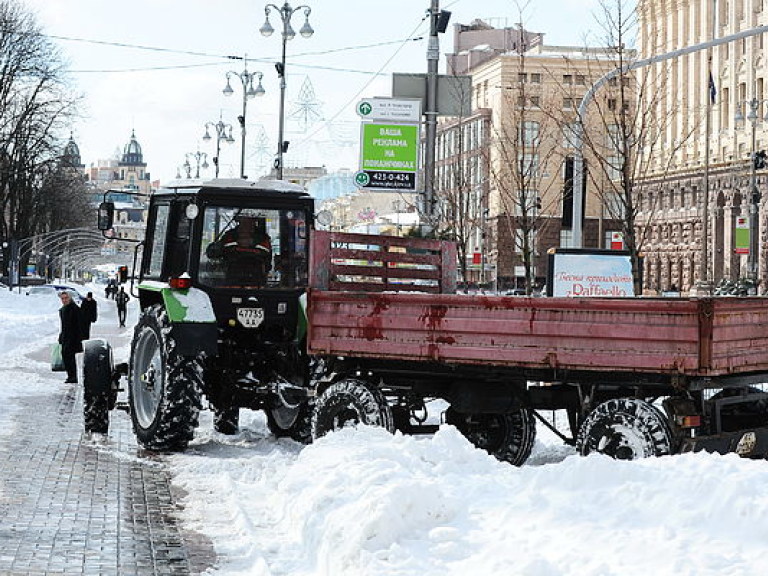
[(166, 253)]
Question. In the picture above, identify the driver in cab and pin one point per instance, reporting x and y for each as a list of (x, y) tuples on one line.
[(246, 250)]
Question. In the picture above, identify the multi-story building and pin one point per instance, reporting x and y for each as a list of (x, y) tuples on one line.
[(129, 182), (701, 185), (510, 160)]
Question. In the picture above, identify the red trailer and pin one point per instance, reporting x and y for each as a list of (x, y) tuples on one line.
[(636, 376)]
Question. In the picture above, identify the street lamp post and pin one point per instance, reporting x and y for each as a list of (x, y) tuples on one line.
[(223, 132), (755, 105), (197, 157), (246, 79), (286, 12)]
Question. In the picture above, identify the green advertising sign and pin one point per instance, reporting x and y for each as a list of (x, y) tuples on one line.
[(390, 156), (742, 235)]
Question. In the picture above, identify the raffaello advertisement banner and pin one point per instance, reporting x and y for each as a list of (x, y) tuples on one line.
[(589, 273)]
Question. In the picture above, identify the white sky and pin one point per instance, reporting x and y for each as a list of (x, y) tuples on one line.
[(167, 97)]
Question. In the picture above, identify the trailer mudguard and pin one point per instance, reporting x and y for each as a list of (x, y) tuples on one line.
[(190, 313)]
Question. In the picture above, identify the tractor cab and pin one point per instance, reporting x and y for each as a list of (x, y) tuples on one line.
[(222, 270)]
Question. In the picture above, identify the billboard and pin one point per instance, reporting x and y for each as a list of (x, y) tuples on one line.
[(589, 273)]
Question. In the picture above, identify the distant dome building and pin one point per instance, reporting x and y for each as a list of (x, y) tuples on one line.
[(132, 155), (71, 156), (131, 167)]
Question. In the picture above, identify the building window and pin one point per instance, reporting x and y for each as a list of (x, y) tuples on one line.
[(522, 77), (570, 135), (568, 104), (536, 77), (529, 165), (612, 104), (566, 238), (581, 80), (530, 133), (567, 79)]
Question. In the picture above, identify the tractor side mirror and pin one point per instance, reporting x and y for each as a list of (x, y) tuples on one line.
[(106, 215)]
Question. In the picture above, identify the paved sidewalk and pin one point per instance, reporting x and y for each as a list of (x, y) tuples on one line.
[(72, 504)]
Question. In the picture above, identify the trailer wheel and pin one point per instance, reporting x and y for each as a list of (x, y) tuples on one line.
[(625, 429), (348, 403), (97, 384), (164, 387), (226, 420), (292, 423), (508, 437)]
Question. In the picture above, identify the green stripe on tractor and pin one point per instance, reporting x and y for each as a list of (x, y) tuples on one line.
[(192, 305)]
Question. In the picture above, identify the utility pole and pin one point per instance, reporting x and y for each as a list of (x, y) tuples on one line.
[(433, 55)]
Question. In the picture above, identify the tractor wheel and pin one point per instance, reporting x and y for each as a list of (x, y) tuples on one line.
[(295, 423), (625, 429), (97, 384), (226, 420), (509, 437), (350, 402), (164, 387)]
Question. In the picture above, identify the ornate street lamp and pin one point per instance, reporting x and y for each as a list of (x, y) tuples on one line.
[(197, 157), (285, 12), (223, 132), (246, 79)]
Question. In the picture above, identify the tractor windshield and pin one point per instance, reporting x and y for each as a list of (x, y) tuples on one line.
[(253, 247)]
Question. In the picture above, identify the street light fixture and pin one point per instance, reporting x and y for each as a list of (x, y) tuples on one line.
[(285, 12), (197, 157), (223, 132), (758, 161), (246, 79)]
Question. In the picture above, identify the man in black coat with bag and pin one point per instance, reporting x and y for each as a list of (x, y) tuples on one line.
[(70, 337)]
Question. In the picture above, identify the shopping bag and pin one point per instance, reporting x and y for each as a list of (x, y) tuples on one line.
[(57, 362)]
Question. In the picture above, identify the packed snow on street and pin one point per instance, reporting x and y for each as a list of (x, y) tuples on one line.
[(363, 502)]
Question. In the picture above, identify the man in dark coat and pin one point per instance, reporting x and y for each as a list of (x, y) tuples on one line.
[(70, 338), (88, 315), (122, 303)]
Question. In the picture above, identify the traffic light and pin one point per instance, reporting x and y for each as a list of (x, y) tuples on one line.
[(122, 274), (759, 159)]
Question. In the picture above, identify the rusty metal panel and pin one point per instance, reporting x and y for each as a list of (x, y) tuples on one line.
[(739, 335), (574, 334)]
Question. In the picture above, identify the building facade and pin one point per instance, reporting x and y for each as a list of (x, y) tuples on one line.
[(511, 160), (701, 187)]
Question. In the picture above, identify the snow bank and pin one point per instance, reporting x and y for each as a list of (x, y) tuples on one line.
[(364, 502)]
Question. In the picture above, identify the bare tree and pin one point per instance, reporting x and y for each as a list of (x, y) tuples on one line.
[(524, 144), (623, 137), (460, 180), (35, 107)]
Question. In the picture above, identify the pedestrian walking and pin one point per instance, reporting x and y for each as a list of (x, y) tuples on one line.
[(70, 336), (122, 301), (88, 315)]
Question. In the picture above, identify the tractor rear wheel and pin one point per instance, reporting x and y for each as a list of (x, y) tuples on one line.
[(164, 387)]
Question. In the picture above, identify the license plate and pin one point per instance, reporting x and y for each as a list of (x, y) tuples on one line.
[(250, 317)]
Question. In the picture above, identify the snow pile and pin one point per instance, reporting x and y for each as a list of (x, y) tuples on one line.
[(364, 502), (29, 325)]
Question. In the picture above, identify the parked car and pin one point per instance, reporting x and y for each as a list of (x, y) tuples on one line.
[(55, 289)]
